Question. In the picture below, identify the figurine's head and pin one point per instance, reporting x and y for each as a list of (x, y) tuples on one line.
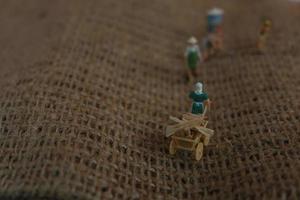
[(192, 41), (215, 12), (267, 23), (198, 87)]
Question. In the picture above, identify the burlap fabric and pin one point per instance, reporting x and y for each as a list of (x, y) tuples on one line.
[(87, 88)]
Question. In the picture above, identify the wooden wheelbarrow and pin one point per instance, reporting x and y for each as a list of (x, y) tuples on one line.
[(189, 133)]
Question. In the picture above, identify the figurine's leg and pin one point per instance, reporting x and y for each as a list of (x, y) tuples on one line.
[(261, 46), (258, 45), (219, 44), (216, 45), (211, 51), (190, 75), (261, 43), (194, 72), (222, 44), (205, 55)]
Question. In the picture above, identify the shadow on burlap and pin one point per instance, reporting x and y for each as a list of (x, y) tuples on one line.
[(87, 88)]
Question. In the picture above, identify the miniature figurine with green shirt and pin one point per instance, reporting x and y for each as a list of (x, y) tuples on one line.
[(200, 99), (193, 56)]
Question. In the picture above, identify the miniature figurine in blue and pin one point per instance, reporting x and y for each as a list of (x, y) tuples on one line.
[(200, 99), (214, 19), (193, 56), (214, 40)]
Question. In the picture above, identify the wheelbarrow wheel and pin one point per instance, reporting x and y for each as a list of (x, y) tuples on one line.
[(172, 148), (199, 151)]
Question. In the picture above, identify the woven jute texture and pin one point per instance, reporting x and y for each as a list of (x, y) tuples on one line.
[(87, 87)]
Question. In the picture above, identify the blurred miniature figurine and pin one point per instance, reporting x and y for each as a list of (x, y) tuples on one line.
[(214, 19), (200, 99), (193, 56), (263, 34), (214, 41), (190, 132), (208, 46), (218, 42)]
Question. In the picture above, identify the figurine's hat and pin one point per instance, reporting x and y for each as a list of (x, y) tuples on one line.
[(215, 11), (192, 40), (267, 22)]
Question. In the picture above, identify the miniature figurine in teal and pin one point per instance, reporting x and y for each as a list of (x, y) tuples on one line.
[(193, 56), (200, 99)]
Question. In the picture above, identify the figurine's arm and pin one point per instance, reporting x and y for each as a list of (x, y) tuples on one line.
[(199, 54), (207, 102), (186, 52)]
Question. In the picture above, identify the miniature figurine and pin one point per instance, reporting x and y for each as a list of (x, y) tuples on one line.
[(263, 34), (208, 46), (214, 41), (218, 39), (200, 99), (193, 56), (214, 19), (191, 132)]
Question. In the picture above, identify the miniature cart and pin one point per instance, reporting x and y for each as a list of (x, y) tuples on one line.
[(189, 133)]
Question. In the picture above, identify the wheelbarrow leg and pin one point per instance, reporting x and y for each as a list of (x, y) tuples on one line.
[(172, 147), (199, 151)]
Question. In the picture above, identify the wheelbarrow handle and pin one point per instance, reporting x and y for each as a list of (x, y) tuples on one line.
[(207, 106)]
